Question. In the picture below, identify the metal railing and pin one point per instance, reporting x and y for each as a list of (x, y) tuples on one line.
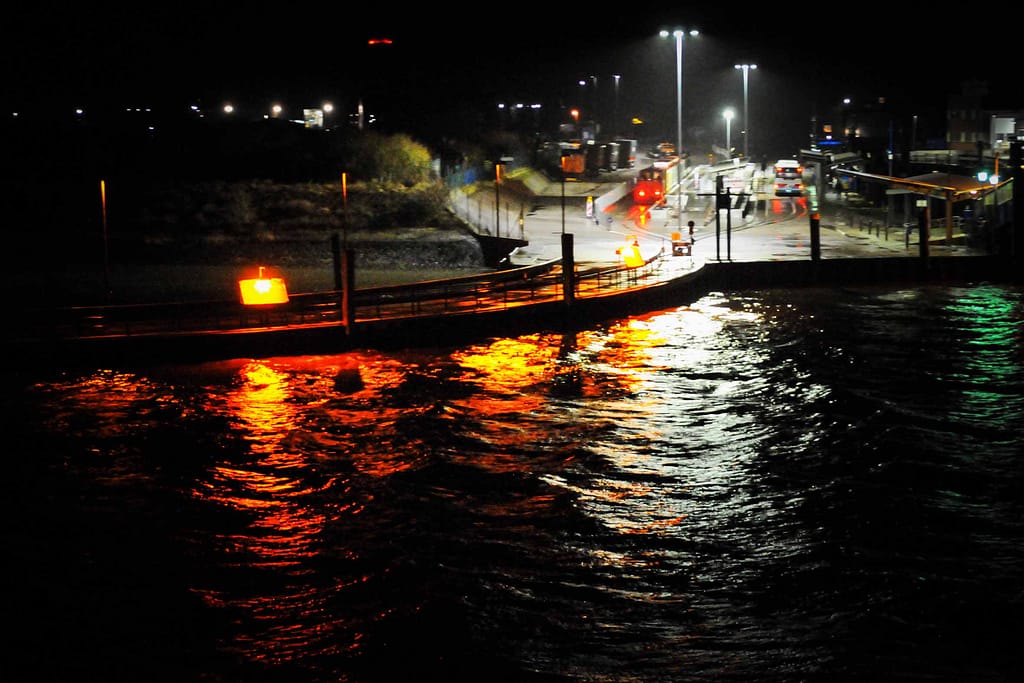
[(475, 293)]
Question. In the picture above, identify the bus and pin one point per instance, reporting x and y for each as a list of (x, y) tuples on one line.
[(652, 182), (789, 178), (649, 186)]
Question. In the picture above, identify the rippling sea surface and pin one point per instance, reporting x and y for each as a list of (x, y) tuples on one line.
[(807, 485)]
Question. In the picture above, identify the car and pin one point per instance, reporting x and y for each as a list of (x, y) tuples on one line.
[(663, 150), (789, 178)]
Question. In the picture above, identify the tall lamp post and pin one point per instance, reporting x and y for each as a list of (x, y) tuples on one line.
[(746, 111), (106, 252), (561, 160), (615, 120), (727, 115), (678, 34), (497, 200)]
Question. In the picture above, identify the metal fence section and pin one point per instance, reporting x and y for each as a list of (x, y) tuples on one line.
[(489, 214), (475, 293)]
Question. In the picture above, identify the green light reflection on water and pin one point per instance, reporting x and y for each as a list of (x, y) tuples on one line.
[(992, 322)]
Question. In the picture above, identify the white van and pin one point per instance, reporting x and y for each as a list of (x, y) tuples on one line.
[(789, 178)]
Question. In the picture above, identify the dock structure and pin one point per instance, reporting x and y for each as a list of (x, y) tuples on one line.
[(448, 311)]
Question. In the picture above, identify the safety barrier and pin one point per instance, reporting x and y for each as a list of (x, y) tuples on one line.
[(467, 294)]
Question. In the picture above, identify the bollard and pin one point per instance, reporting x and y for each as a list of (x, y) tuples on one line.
[(815, 237)]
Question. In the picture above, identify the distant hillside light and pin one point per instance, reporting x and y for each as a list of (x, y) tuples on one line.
[(379, 41)]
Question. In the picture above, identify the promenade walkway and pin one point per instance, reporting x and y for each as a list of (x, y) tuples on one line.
[(776, 229)]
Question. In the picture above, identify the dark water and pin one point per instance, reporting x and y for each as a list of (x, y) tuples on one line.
[(817, 485)]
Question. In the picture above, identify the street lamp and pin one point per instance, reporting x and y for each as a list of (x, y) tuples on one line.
[(678, 34), (583, 101), (727, 115), (497, 200), (561, 161), (746, 112), (615, 124)]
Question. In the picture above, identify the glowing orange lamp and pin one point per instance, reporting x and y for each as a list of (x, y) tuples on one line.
[(631, 252), (263, 290)]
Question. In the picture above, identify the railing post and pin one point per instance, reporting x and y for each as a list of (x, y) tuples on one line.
[(568, 270)]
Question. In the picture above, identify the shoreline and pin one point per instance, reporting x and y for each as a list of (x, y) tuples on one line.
[(167, 283), (210, 274)]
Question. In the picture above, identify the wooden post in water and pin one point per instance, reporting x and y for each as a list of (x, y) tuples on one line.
[(344, 281), (568, 270), (344, 276), (336, 257), (106, 248)]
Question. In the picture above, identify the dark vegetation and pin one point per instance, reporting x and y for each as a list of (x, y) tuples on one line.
[(191, 190)]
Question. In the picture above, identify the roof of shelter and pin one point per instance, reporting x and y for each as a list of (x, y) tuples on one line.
[(960, 183), (936, 184)]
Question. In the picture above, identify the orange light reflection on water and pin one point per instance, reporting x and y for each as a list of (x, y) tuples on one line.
[(509, 365), (284, 531)]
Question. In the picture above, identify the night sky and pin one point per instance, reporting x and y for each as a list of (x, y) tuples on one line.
[(446, 65)]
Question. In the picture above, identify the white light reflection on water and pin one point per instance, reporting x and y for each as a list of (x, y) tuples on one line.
[(742, 488)]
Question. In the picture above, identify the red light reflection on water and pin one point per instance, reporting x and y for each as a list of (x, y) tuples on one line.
[(789, 205)]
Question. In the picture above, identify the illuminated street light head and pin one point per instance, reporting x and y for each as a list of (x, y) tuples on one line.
[(665, 33)]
